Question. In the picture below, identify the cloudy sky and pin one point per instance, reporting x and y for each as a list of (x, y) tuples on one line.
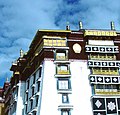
[(20, 19)]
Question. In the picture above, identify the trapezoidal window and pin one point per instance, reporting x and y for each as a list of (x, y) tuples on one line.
[(62, 69), (61, 54)]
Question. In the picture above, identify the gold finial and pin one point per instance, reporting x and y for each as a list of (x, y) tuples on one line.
[(80, 25), (21, 53), (112, 25), (7, 79), (67, 26)]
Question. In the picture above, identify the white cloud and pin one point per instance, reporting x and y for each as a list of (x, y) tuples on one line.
[(19, 21), (93, 13), (101, 13)]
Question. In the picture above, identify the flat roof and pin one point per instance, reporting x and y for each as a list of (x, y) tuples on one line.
[(66, 31)]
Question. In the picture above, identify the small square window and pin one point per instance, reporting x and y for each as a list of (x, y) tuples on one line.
[(65, 98), (63, 84)]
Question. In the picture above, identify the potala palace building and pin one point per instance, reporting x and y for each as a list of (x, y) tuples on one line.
[(67, 72)]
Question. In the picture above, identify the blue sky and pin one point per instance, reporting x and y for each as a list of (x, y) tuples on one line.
[(20, 19)]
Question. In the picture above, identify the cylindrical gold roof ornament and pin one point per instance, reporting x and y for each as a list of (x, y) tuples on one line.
[(112, 25), (80, 25)]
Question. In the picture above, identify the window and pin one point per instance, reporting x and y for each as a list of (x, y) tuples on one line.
[(38, 89), (34, 76), (25, 108), (108, 86), (32, 90), (14, 106), (65, 98), (37, 75), (34, 113), (61, 55), (37, 98), (63, 84), (28, 84), (31, 80), (65, 112), (31, 104), (63, 69), (54, 42), (99, 86), (40, 71), (114, 69), (26, 96), (115, 87)]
